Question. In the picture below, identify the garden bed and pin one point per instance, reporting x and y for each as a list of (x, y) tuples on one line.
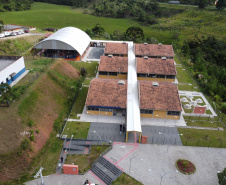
[(185, 166)]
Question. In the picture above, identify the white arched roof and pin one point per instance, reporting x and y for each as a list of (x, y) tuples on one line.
[(68, 38)]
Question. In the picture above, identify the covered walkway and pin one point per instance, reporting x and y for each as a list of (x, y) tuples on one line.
[(133, 109)]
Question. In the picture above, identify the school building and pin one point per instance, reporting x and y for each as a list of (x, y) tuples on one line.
[(116, 49), (156, 69), (113, 67), (154, 50)]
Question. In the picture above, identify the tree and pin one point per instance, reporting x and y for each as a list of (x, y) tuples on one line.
[(98, 30), (1, 26), (134, 33), (221, 4), (202, 4), (222, 177)]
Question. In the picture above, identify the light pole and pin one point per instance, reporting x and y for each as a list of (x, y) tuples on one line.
[(215, 106), (98, 136), (70, 147), (39, 173)]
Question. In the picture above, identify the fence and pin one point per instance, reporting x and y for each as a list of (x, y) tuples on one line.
[(205, 143)]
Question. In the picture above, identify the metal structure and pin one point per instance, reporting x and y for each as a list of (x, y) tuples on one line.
[(39, 173)]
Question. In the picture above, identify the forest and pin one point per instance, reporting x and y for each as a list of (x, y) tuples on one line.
[(207, 64), (15, 5)]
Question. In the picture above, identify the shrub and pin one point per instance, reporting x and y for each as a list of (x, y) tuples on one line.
[(37, 131), (83, 71), (32, 137), (25, 144), (30, 123), (223, 107)]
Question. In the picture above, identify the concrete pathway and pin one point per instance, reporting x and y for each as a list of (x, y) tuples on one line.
[(154, 164), (63, 179)]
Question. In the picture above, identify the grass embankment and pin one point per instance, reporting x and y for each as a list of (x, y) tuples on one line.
[(79, 130), (47, 99), (204, 138), (80, 101), (85, 161), (126, 179), (18, 46)]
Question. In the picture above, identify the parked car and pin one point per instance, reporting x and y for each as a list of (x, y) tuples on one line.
[(22, 32), (26, 31), (19, 32), (13, 34), (7, 34), (2, 35), (16, 33)]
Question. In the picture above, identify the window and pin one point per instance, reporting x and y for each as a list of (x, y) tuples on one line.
[(151, 75), (141, 75), (160, 76), (93, 108), (144, 111), (106, 110), (112, 74), (7, 79), (173, 113), (103, 73), (170, 76)]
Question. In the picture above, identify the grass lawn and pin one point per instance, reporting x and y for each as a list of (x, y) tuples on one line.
[(204, 138), (203, 123), (77, 129), (84, 162), (87, 82), (79, 103), (90, 67), (126, 179), (182, 76)]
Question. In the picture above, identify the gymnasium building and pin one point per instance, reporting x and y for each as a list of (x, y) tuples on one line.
[(69, 43)]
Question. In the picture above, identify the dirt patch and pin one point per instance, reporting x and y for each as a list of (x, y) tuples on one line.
[(66, 69), (51, 99), (46, 110), (10, 128)]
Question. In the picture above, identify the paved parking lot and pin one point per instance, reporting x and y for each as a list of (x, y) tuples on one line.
[(161, 135), (107, 131)]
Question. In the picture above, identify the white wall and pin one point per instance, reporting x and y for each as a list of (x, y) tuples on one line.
[(15, 67)]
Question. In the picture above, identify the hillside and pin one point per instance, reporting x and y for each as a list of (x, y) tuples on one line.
[(44, 101)]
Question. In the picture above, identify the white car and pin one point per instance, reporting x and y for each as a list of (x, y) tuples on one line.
[(7, 34), (2, 35)]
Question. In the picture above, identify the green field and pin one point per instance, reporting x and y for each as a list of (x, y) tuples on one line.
[(190, 22)]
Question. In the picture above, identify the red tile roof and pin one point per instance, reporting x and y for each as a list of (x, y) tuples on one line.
[(154, 50), (156, 66), (113, 64), (163, 97), (107, 93), (116, 48)]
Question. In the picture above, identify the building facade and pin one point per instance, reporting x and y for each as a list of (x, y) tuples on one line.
[(11, 67)]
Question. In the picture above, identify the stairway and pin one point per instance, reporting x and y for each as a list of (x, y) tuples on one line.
[(106, 171)]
